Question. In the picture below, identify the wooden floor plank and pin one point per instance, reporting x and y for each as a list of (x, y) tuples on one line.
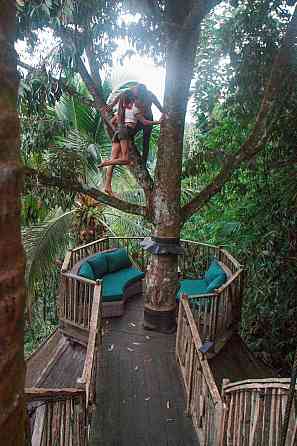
[(140, 398)]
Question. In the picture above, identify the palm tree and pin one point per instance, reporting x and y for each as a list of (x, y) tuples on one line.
[(78, 145)]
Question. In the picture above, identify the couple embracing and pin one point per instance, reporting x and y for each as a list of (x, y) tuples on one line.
[(134, 113)]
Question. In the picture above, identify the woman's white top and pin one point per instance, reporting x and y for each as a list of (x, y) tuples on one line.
[(130, 114)]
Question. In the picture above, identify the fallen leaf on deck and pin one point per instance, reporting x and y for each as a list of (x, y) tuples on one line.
[(168, 404), (170, 420), (147, 337), (147, 398), (136, 368), (132, 324), (136, 343), (110, 348), (130, 349)]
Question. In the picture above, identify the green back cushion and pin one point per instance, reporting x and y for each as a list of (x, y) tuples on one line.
[(213, 271), (98, 264), (86, 271), (117, 260), (215, 276), (217, 282)]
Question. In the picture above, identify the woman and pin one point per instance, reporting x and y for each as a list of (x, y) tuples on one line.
[(144, 99), (127, 117)]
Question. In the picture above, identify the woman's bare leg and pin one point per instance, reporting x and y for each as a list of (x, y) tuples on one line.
[(107, 186), (122, 158), (115, 153)]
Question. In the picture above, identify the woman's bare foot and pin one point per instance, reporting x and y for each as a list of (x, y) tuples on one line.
[(103, 164), (108, 191)]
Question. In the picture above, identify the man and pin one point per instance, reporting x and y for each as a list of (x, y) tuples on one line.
[(144, 99)]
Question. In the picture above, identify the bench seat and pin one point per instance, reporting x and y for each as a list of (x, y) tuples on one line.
[(114, 284)]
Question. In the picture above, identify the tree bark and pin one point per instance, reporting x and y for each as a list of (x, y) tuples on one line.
[(162, 279), (12, 287)]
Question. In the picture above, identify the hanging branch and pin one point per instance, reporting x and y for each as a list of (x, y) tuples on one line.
[(71, 186), (260, 134)]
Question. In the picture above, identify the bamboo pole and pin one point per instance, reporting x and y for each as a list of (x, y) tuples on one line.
[(289, 402)]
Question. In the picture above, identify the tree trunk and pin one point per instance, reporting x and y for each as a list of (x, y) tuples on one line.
[(160, 299), (12, 288)]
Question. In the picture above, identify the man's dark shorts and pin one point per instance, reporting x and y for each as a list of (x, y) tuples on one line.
[(123, 133)]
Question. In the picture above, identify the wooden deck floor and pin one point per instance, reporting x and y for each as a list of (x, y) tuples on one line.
[(140, 399)]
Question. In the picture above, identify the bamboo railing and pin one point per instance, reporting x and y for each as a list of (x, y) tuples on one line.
[(254, 413), (204, 403), (217, 312), (57, 416), (76, 300), (197, 258), (62, 417), (88, 378), (214, 313)]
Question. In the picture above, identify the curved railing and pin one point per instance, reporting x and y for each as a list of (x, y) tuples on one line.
[(255, 410), (214, 313)]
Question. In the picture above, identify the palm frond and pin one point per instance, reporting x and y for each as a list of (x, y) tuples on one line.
[(43, 244)]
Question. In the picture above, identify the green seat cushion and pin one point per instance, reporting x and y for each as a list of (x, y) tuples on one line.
[(114, 284), (217, 282), (98, 264), (213, 271), (192, 287), (117, 260), (86, 271)]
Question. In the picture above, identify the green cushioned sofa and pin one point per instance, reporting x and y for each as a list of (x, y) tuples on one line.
[(120, 278), (214, 278)]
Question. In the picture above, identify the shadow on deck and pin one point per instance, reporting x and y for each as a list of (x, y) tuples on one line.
[(140, 398)]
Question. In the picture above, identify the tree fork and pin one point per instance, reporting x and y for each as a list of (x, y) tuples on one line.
[(12, 286)]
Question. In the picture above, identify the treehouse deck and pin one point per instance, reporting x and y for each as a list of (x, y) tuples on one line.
[(136, 387), (52, 365), (140, 397), (236, 362)]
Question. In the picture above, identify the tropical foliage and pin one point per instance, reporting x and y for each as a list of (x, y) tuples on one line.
[(254, 215)]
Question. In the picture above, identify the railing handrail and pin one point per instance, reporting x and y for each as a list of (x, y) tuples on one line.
[(81, 278), (231, 258), (40, 393), (85, 379), (78, 248), (229, 281), (199, 243), (254, 384), (215, 394), (260, 381)]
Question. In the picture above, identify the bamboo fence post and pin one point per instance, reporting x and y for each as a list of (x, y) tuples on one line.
[(289, 402)]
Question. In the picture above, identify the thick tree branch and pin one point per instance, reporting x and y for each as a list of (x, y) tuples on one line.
[(71, 186), (259, 135)]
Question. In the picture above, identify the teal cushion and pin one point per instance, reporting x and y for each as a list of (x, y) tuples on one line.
[(86, 271), (98, 264), (117, 260), (213, 271), (217, 282), (192, 287), (114, 284)]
